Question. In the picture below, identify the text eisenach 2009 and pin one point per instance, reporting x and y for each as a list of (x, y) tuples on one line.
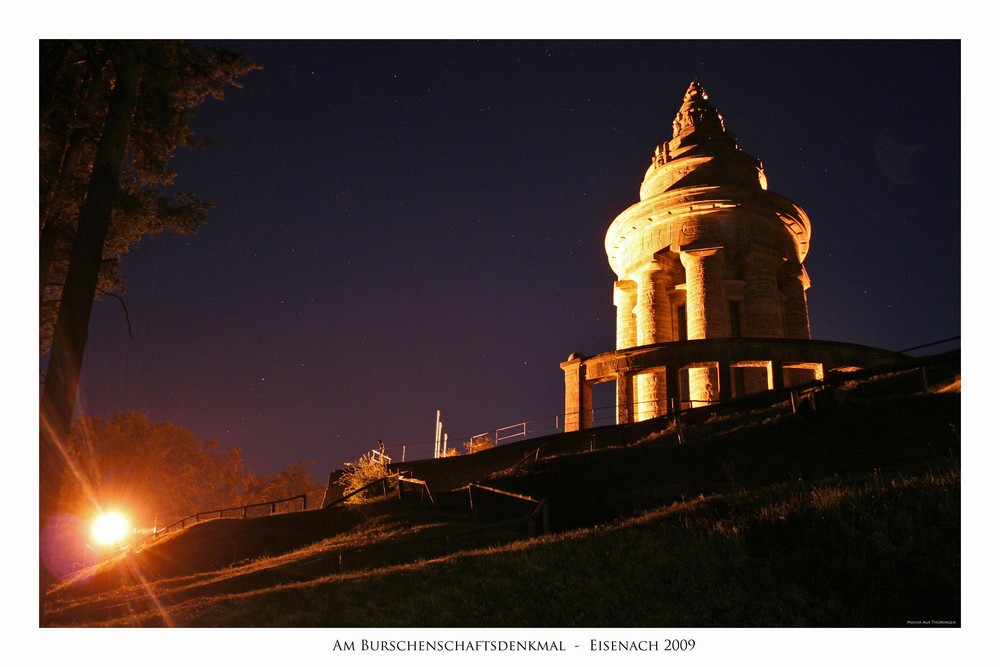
[(642, 645)]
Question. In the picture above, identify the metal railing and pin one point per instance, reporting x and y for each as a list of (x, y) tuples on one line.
[(241, 510), (379, 456), (382, 481), (603, 415)]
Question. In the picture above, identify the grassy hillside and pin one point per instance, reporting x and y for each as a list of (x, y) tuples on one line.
[(844, 517)]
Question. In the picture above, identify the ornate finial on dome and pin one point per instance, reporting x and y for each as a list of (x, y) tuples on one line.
[(699, 132), (695, 90), (696, 113)]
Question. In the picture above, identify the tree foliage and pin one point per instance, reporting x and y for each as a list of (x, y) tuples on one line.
[(162, 472), (77, 80), (478, 444), (290, 482)]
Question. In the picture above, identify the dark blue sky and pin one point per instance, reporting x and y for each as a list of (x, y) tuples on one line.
[(405, 227)]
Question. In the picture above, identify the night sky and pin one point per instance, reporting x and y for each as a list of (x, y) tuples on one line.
[(402, 227)]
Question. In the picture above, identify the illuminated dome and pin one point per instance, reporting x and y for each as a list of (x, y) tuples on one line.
[(701, 152)]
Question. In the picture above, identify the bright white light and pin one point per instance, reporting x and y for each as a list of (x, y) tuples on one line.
[(110, 528)]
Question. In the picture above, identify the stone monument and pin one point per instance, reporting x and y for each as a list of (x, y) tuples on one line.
[(711, 286)]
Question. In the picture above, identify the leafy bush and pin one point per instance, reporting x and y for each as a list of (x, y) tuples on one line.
[(363, 472), (478, 444)]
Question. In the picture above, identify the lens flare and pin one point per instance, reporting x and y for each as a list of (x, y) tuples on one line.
[(110, 528)]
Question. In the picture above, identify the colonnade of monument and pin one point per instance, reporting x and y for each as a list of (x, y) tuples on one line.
[(707, 293)]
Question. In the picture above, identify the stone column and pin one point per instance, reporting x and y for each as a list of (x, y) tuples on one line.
[(651, 394), (579, 411), (725, 381), (623, 393), (707, 314), (652, 307), (763, 311), (794, 287), (702, 386), (625, 302), (707, 307), (673, 379), (652, 324), (777, 375)]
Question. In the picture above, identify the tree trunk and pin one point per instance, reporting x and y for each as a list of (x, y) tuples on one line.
[(51, 230), (73, 137), (62, 377)]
